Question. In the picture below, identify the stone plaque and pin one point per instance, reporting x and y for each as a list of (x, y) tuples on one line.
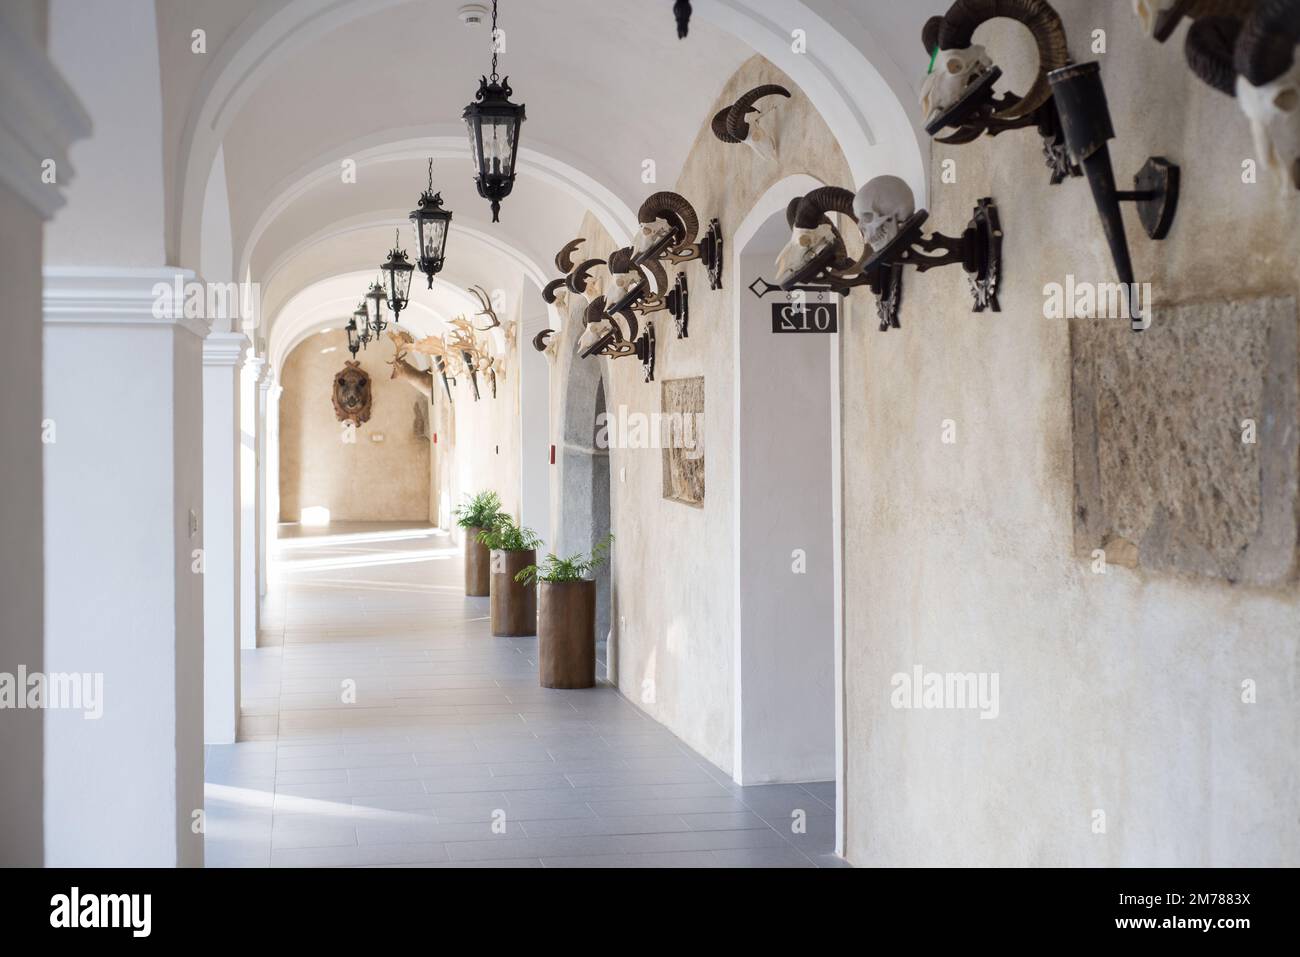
[(1186, 440), (683, 440)]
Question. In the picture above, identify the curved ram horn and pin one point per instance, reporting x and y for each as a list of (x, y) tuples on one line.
[(549, 290), (674, 208), (1266, 46), (595, 311), (620, 260), (1167, 22), (719, 126), (965, 16), (736, 125), (1208, 50), (826, 199), (930, 34), (577, 280), (539, 340), (656, 269), (564, 258)]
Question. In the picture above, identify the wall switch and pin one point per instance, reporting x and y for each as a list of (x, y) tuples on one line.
[(376, 436), (194, 523), (622, 474)]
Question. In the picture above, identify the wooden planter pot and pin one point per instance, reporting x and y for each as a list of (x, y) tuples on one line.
[(566, 635), (514, 605), (478, 563)]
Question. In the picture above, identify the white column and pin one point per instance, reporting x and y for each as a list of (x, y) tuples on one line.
[(39, 119), (265, 387), (248, 426), (124, 601), (222, 352)]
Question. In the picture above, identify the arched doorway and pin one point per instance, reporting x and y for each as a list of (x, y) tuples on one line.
[(787, 556)]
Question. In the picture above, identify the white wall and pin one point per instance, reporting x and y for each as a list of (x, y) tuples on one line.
[(785, 640)]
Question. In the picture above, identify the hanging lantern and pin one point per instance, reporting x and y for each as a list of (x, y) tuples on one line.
[(375, 308), (431, 225), (493, 123), (354, 341), (360, 321), (397, 279)]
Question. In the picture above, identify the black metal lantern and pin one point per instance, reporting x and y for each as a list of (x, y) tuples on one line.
[(360, 322), (375, 308), (354, 341), (431, 225), (493, 123), (397, 279)]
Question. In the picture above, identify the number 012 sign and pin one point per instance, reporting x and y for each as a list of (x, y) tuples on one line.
[(805, 317)]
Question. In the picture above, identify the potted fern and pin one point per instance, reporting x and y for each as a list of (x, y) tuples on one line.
[(478, 513), (566, 625), (514, 602)]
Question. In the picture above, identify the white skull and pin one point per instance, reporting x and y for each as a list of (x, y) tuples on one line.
[(804, 246), (1274, 113), (593, 333), (618, 285), (562, 300), (881, 207), (649, 234), (954, 71), (1149, 11), (761, 138)]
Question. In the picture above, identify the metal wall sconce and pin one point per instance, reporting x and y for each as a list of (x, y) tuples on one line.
[(958, 91), (668, 227), (1085, 117)]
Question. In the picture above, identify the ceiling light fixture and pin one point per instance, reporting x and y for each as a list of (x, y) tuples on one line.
[(493, 123)]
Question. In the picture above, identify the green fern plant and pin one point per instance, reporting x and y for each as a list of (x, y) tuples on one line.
[(480, 511), (575, 568), (507, 535)]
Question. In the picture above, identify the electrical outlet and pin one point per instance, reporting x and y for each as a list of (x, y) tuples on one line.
[(622, 474), (194, 523), (376, 436)]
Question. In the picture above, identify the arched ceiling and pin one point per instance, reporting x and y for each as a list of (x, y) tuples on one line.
[(288, 90)]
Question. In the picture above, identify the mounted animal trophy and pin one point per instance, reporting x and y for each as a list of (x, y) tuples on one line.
[(547, 343), (1251, 53), (957, 94), (744, 122), (486, 310), (668, 227), (419, 379), (352, 396), (556, 292), (1160, 18)]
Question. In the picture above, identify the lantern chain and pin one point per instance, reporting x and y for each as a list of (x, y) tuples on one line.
[(495, 43)]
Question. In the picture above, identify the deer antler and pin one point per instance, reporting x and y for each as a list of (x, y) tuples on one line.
[(486, 302)]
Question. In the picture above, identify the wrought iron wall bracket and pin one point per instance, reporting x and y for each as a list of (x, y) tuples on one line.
[(707, 251), (678, 303), (976, 114), (978, 250), (885, 280)]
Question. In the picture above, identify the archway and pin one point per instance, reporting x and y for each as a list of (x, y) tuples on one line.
[(787, 525)]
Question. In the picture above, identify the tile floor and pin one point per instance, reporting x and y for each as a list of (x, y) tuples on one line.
[(450, 755)]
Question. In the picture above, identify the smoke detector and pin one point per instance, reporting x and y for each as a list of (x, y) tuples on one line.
[(472, 14)]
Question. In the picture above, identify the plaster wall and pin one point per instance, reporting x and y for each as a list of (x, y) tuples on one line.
[(674, 615), (1119, 692), (367, 481)]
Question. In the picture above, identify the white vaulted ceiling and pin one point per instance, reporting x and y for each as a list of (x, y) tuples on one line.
[(288, 90)]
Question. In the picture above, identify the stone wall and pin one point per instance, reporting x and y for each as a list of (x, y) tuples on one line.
[(1121, 690)]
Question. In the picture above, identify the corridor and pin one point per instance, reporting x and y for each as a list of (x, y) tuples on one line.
[(449, 753)]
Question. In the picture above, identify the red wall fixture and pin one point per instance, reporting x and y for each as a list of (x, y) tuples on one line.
[(552, 455)]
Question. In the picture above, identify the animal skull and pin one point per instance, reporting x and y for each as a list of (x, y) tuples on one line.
[(1274, 113), (954, 71), (761, 139), (1149, 11), (881, 207), (650, 235), (804, 246), (594, 332)]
